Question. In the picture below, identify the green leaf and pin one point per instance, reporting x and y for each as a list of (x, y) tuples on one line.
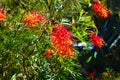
[(89, 59), (13, 77)]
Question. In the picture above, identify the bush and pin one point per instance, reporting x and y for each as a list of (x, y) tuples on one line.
[(58, 39)]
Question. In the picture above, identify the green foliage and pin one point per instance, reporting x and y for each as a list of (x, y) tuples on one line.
[(22, 48)]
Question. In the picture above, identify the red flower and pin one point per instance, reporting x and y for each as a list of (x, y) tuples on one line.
[(49, 53), (100, 10), (3, 14), (97, 41), (32, 19), (39, 17), (92, 76), (62, 40)]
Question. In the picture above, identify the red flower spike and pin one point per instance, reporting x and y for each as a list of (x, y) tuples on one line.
[(49, 53), (97, 41), (3, 14), (62, 40), (32, 19), (100, 10), (39, 17), (92, 76)]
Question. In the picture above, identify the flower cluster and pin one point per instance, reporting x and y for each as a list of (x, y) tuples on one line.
[(62, 40), (3, 14), (96, 40), (100, 10), (32, 19)]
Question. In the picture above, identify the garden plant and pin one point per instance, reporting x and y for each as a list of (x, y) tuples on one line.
[(59, 39)]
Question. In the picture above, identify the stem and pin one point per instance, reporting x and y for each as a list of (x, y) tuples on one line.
[(24, 66), (2, 67)]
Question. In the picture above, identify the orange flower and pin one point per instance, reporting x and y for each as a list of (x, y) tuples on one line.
[(100, 10), (3, 14), (32, 19), (49, 53), (97, 41)]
